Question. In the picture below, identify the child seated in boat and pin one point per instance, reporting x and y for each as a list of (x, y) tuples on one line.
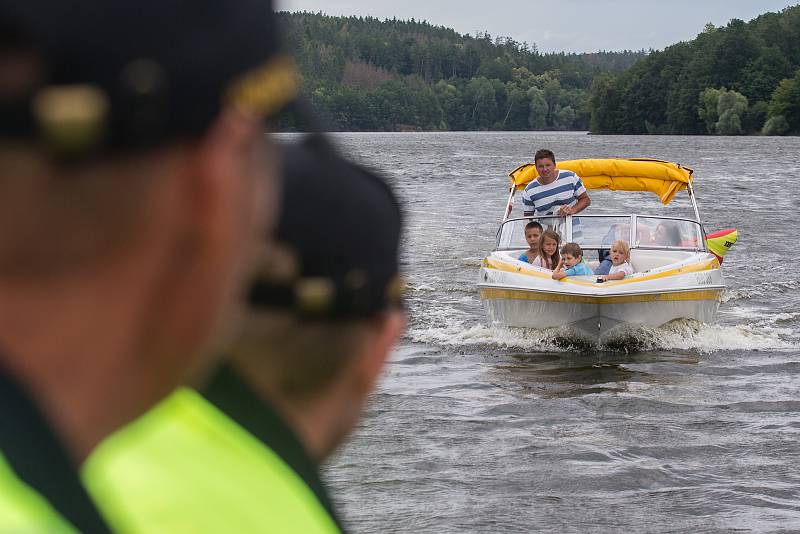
[(615, 232), (571, 263), (620, 262), (533, 231), (548, 257)]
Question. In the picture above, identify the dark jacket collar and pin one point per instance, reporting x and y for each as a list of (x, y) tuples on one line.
[(228, 392), (38, 457)]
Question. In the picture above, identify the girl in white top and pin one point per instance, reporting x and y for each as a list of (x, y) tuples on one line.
[(620, 257), (548, 257)]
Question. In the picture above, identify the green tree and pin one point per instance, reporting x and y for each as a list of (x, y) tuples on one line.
[(447, 96), (496, 68), (537, 118), (481, 96), (518, 110), (552, 95), (732, 107), (756, 116), (564, 118), (777, 125), (604, 101), (735, 49), (660, 93), (786, 102), (763, 74), (610, 92), (708, 108), (722, 111)]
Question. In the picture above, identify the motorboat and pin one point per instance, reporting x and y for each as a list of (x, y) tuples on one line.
[(675, 276)]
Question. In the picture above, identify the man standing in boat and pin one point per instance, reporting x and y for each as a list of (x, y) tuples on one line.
[(555, 192)]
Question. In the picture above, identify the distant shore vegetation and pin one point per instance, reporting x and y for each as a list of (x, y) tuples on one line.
[(366, 74)]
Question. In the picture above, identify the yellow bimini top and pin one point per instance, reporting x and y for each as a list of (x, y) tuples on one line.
[(663, 178)]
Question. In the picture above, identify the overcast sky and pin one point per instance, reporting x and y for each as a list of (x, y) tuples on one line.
[(565, 25)]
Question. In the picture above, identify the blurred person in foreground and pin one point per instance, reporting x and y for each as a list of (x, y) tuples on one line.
[(135, 185), (242, 454)]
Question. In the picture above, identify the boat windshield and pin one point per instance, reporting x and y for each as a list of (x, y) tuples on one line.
[(662, 232), (600, 231), (511, 234)]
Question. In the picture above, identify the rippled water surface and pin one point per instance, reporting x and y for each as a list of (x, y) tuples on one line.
[(689, 427)]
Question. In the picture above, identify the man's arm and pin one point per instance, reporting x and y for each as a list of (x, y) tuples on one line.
[(583, 202)]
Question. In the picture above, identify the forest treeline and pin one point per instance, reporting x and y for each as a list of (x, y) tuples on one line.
[(738, 79), (369, 74)]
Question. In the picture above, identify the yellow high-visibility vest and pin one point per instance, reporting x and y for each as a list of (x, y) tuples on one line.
[(186, 467), (22, 509)]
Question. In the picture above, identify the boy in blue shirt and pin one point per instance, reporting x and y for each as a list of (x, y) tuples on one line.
[(571, 263), (533, 231)]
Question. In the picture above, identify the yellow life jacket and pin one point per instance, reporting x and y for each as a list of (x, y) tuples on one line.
[(186, 467), (24, 510)]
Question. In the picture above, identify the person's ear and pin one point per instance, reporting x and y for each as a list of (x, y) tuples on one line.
[(214, 181), (384, 333), (215, 234)]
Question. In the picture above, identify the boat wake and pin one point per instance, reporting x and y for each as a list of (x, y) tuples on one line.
[(766, 288), (689, 335), (682, 334)]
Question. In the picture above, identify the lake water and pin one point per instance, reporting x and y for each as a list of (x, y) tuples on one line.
[(686, 428)]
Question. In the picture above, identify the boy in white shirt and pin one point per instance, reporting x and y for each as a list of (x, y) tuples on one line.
[(620, 257)]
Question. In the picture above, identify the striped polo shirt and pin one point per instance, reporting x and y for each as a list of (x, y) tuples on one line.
[(539, 199)]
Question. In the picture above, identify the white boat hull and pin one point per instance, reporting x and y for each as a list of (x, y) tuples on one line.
[(516, 295), (596, 321)]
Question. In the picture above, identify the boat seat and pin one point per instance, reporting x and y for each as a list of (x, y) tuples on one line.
[(647, 262)]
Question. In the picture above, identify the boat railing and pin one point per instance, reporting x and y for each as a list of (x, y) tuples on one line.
[(599, 231)]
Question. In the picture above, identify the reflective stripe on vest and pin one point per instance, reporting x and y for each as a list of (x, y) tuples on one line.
[(22, 510), (187, 467)]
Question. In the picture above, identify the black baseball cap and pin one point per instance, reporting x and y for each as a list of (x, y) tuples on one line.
[(121, 74), (341, 226)]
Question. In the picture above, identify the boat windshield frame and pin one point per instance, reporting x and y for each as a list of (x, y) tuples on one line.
[(567, 233)]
